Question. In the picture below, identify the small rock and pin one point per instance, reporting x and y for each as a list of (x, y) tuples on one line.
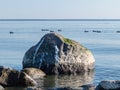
[(34, 88), (8, 76), (63, 88), (11, 77), (109, 85), (34, 72), (88, 87), (26, 80), (11, 32)]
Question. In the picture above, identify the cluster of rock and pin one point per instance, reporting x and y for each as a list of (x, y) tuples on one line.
[(53, 54), (26, 77), (11, 77)]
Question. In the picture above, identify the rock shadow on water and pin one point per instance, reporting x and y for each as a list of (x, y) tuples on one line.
[(72, 81)]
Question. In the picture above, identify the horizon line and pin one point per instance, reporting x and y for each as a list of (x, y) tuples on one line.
[(59, 19)]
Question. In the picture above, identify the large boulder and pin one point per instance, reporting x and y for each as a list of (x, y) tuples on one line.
[(109, 85), (55, 54), (11, 77), (34, 72)]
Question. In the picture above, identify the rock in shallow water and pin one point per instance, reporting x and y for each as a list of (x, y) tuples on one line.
[(34, 72), (11, 77), (55, 54), (109, 85), (88, 87), (63, 88)]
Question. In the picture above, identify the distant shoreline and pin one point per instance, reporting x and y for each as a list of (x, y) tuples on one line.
[(59, 19)]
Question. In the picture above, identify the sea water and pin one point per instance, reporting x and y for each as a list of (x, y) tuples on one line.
[(101, 37)]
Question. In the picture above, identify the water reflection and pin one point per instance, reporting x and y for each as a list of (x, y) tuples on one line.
[(55, 81), (73, 81)]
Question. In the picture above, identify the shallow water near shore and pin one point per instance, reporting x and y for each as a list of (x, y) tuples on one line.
[(55, 81), (105, 46)]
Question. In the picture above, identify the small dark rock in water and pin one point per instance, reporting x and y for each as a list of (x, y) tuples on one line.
[(35, 88), (86, 31), (55, 54), (118, 31), (63, 88), (44, 29), (109, 85), (97, 31), (59, 30), (51, 31), (94, 30), (11, 77), (88, 87), (11, 32)]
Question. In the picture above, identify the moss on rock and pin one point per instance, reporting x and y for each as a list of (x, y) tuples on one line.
[(68, 41)]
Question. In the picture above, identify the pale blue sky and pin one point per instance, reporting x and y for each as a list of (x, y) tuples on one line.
[(61, 9)]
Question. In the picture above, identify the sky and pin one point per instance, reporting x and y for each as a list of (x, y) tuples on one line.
[(59, 9)]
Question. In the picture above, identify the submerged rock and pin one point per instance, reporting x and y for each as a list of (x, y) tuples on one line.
[(109, 85), (88, 87), (34, 72), (84, 87), (55, 54), (63, 88), (35, 88), (11, 77)]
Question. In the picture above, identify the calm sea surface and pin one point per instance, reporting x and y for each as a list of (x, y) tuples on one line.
[(104, 44)]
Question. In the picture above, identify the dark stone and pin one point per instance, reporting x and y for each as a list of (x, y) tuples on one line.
[(35, 88), (11, 77), (55, 54), (109, 85), (63, 88), (25, 80), (88, 87), (8, 76)]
